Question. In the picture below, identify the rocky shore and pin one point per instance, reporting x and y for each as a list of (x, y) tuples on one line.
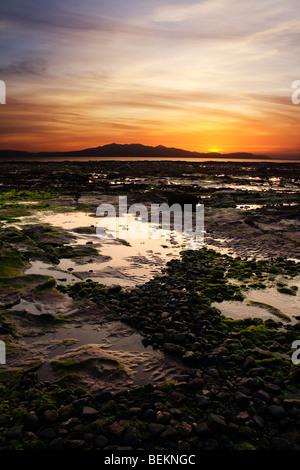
[(241, 391), (237, 387)]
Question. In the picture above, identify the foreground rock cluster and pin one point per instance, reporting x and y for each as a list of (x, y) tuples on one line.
[(241, 391), (205, 412)]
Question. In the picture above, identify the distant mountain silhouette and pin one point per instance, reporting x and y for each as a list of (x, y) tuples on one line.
[(126, 150)]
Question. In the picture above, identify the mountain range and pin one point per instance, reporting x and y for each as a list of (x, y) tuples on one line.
[(126, 150)]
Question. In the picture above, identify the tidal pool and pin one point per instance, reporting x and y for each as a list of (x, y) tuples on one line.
[(259, 303), (131, 261), (142, 364)]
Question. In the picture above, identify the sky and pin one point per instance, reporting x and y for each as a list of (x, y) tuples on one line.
[(206, 75)]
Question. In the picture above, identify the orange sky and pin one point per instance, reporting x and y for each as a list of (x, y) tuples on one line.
[(211, 75)]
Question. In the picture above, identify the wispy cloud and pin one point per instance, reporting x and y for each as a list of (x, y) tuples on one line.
[(109, 69)]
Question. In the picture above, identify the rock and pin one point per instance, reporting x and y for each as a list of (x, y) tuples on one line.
[(89, 413), (15, 432), (272, 389), (259, 421), (47, 434), (180, 338), (104, 397), (249, 363), (50, 416), (163, 417), (135, 412), (125, 317), (202, 402), (276, 411), (57, 444), (261, 371), (244, 390), (149, 415), (211, 444), (232, 430), (116, 429), (71, 423), (156, 429), (32, 421), (279, 443), (242, 399), (178, 397), (216, 423), (203, 431), (264, 396), (196, 383), (184, 446), (130, 438), (243, 416), (213, 372), (100, 442), (169, 433), (66, 411), (75, 444), (172, 348)]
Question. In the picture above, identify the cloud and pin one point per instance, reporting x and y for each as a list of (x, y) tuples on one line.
[(25, 66), (122, 66)]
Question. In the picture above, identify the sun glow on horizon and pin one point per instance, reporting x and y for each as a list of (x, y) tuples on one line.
[(215, 150)]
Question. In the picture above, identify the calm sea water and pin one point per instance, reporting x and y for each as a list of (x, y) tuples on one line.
[(199, 160)]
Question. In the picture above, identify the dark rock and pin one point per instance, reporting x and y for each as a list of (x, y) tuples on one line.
[(135, 412), (50, 416), (259, 421), (32, 421), (30, 436), (89, 413), (130, 438), (66, 411), (196, 383), (202, 402), (272, 389), (242, 399), (47, 434), (276, 411), (71, 423), (103, 397), (243, 416), (184, 446), (116, 429), (57, 444), (249, 363), (172, 348), (180, 338), (244, 390), (16, 432), (75, 444), (156, 429), (279, 443), (80, 402), (264, 396), (211, 444), (163, 417), (232, 430), (213, 372), (100, 442), (260, 371), (216, 423), (203, 431), (149, 415), (178, 397), (170, 433)]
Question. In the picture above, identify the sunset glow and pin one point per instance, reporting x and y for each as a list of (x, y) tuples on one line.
[(208, 75)]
